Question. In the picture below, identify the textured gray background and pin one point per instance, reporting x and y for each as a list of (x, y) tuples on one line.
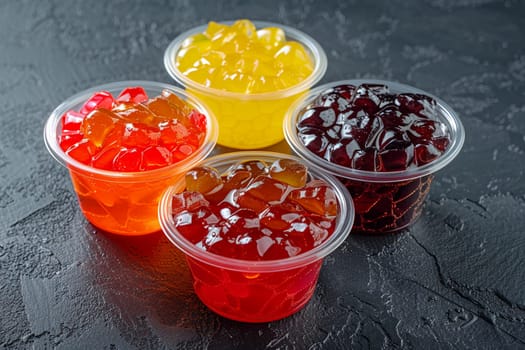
[(454, 280)]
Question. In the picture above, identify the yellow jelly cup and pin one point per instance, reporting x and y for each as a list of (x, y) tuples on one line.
[(248, 121), (124, 202)]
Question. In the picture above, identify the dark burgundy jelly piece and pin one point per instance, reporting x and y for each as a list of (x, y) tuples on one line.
[(366, 98), (317, 117), (415, 103), (314, 140)]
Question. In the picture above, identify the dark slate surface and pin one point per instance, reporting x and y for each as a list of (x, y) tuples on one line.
[(454, 280)]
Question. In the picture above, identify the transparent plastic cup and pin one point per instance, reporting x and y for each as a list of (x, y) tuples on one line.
[(256, 291), (263, 112), (124, 202), (385, 202)]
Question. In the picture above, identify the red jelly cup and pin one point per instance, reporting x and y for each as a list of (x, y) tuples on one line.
[(124, 202), (256, 291), (385, 202)]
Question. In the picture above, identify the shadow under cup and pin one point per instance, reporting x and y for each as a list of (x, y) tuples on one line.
[(249, 121), (385, 202), (124, 203), (256, 291)]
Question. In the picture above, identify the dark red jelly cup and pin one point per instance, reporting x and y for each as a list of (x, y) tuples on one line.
[(385, 201), (256, 291)]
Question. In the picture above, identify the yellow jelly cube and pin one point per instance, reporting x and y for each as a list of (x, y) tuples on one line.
[(215, 29), (292, 53), (271, 36), (196, 38), (246, 27)]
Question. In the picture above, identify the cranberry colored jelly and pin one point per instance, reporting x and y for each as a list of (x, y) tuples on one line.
[(368, 128), (255, 211), (132, 132)]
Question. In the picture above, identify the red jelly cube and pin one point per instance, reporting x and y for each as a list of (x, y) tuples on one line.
[(104, 159), (267, 189), (246, 200), (101, 99), (316, 197), (69, 139), (199, 120), (155, 157), (135, 136), (280, 217), (193, 224), (289, 172), (203, 180), (133, 94), (255, 167), (82, 151), (71, 121), (128, 160), (188, 201)]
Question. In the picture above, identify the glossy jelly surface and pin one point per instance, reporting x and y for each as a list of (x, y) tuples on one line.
[(368, 128), (253, 231), (124, 144), (248, 73), (241, 58), (255, 211), (132, 132)]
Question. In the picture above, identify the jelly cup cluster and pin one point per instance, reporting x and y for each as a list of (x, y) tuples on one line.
[(117, 171), (254, 226), (280, 233), (247, 120), (382, 139)]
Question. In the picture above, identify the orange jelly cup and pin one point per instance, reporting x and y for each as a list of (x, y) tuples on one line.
[(256, 291), (124, 203)]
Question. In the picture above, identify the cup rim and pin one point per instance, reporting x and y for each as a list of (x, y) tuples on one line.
[(346, 214), (53, 123), (445, 113), (318, 56)]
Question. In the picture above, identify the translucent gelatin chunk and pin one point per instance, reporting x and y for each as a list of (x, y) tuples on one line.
[(289, 171), (254, 168), (316, 197), (134, 94), (101, 99), (97, 125), (82, 151), (128, 160), (71, 121), (155, 157), (188, 201), (271, 37), (267, 189), (203, 180)]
